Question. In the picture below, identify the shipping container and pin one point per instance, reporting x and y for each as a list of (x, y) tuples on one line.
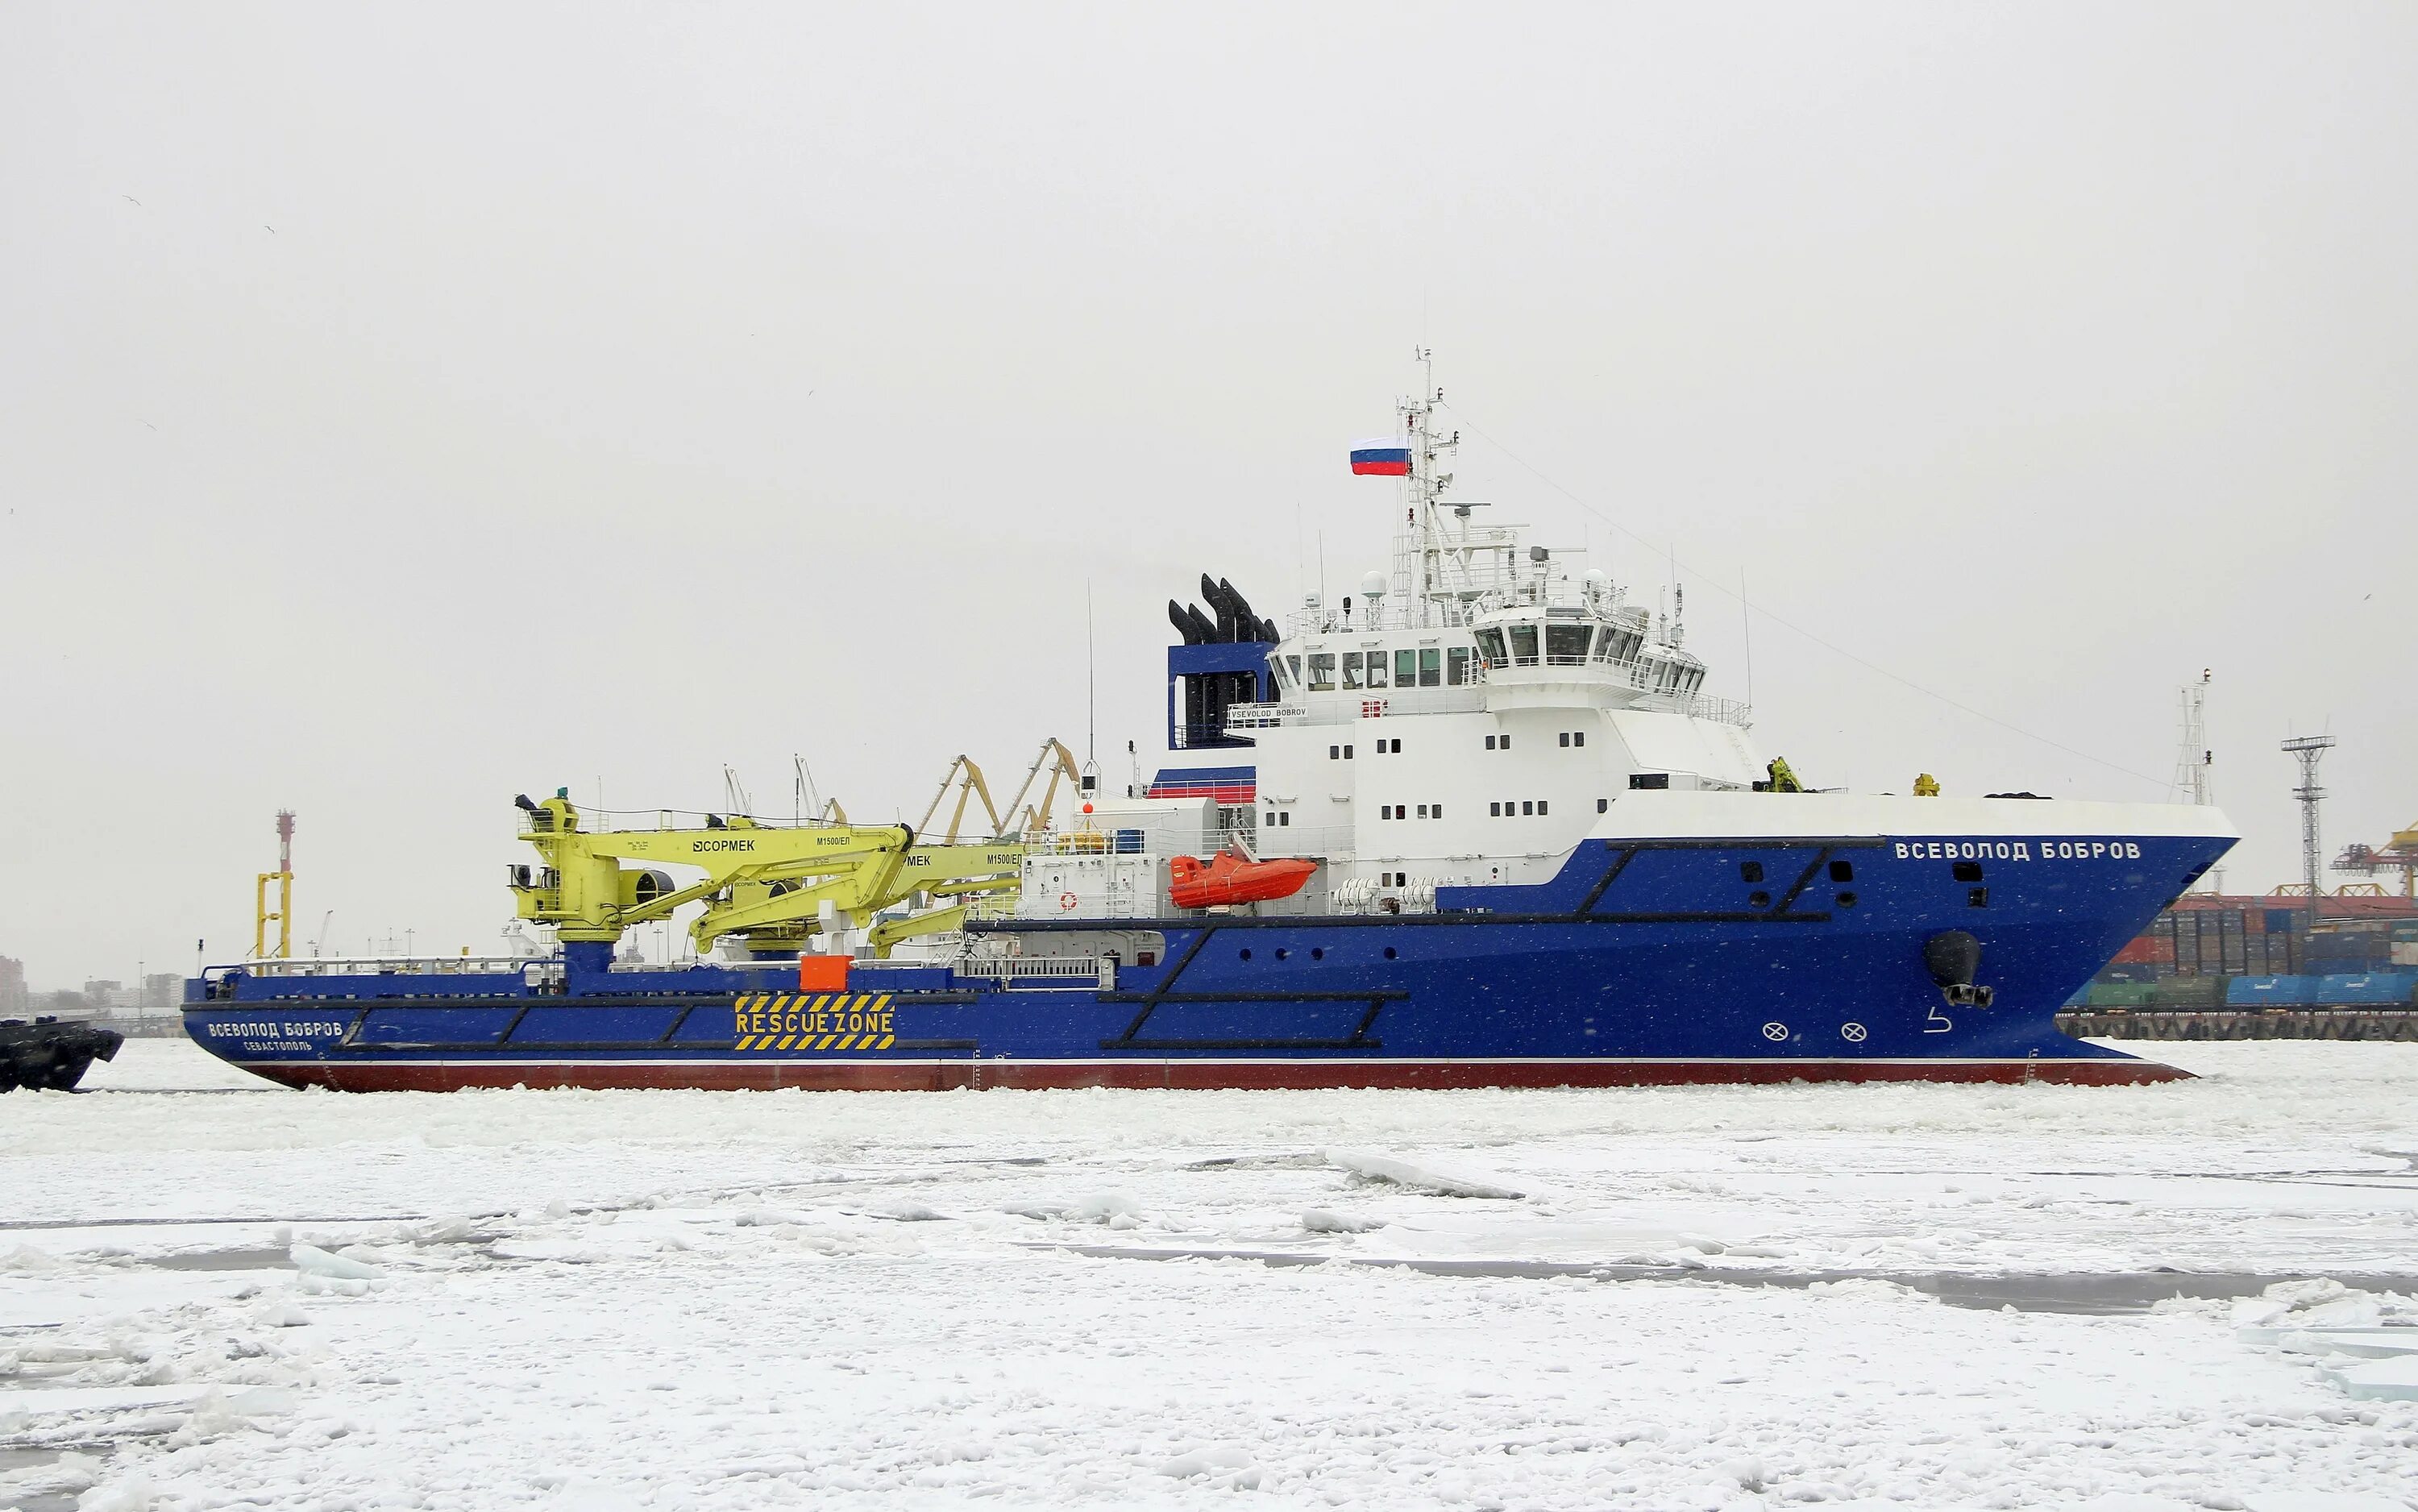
[(2374, 989), (2270, 991), (2188, 992), (2146, 949), (2118, 995), (2140, 972)]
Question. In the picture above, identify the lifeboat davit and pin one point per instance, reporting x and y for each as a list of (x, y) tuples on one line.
[(1227, 877)]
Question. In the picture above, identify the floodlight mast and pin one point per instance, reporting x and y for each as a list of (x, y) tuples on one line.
[(2309, 750)]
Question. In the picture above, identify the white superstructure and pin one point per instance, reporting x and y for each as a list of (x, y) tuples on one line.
[(1470, 719)]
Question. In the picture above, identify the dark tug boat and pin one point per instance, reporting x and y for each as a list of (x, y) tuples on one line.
[(50, 1054)]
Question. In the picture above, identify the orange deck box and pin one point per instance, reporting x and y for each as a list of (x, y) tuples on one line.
[(822, 973)]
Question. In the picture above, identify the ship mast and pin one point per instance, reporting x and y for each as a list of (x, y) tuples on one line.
[(1419, 535)]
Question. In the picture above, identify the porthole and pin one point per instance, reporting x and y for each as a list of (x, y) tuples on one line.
[(1247, 952), (1318, 953), (1846, 900), (1283, 954), (1759, 900), (1389, 952)]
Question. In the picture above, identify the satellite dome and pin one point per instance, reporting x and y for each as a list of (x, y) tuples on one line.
[(1373, 584)]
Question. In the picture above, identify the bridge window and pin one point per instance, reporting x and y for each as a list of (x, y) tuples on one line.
[(1376, 670), (1567, 644), (1350, 670), (1523, 645), (1406, 668), (1430, 667), (1322, 671), (1490, 646), (1456, 666)]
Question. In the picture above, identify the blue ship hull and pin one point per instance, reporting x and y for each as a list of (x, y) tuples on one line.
[(1641, 961)]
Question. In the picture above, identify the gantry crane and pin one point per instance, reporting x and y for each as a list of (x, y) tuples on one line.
[(2400, 853)]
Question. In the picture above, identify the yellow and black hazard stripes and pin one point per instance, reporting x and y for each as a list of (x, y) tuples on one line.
[(813, 1021)]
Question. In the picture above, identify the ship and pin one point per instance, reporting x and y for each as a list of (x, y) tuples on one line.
[(49, 1054), (1477, 824)]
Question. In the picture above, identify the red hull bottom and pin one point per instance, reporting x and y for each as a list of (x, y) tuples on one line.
[(1035, 1075)]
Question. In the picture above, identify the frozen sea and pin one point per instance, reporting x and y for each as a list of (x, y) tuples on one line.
[(216, 1293)]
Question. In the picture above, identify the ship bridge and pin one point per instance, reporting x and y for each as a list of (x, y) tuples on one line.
[(1462, 719)]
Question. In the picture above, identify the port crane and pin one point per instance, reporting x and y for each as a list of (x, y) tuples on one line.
[(2400, 853)]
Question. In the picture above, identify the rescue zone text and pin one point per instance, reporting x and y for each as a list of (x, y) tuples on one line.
[(785, 1021)]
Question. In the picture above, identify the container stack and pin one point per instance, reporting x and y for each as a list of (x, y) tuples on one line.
[(2209, 954)]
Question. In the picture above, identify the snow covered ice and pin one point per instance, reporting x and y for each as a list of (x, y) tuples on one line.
[(216, 1293)]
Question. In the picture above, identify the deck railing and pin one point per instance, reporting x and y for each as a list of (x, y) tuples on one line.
[(387, 966), (1006, 969)]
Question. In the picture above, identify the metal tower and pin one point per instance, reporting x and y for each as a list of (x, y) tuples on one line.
[(2309, 749), (2196, 760), (283, 914)]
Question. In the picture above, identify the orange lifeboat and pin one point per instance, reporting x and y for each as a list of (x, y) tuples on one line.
[(1227, 877)]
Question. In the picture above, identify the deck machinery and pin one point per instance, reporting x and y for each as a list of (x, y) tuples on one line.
[(773, 889)]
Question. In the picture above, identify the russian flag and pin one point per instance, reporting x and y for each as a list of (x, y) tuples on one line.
[(1387, 456)]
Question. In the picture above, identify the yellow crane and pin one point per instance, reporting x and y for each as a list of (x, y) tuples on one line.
[(2400, 853), (770, 886), (1037, 816)]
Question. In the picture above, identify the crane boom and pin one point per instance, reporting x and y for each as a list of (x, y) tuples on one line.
[(767, 885)]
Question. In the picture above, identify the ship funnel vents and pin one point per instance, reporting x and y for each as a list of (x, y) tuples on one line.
[(1229, 618)]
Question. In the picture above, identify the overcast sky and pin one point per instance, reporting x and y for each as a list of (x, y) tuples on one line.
[(404, 408)]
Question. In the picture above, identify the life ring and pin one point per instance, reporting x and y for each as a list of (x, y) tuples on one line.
[(1067, 900)]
